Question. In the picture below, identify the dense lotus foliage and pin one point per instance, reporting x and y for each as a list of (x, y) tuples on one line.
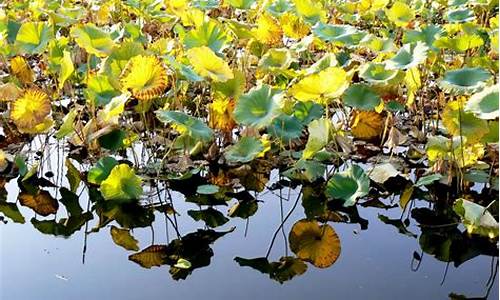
[(345, 99)]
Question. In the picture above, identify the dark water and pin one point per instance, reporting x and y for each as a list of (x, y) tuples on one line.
[(376, 263)]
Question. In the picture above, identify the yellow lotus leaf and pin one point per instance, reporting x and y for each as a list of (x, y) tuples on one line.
[(31, 109), (268, 30), (42, 202), (145, 77), (22, 70), (293, 26), (367, 125), (207, 64), (9, 92), (372, 5), (220, 114), (316, 244), (461, 123), (42, 127), (311, 10), (321, 87), (400, 14)]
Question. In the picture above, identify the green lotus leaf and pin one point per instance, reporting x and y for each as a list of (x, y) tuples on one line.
[(206, 4), (244, 151), (460, 15), (476, 218), (348, 185), (465, 80), (207, 189), (101, 170), (241, 4), (427, 35), (409, 56), (33, 37), (279, 7), (122, 184), (208, 34), (379, 74), (276, 59), (99, 90), (286, 128), (307, 111), (258, 107), (320, 134), (191, 126), (484, 104), (339, 34), (361, 96), (93, 39), (328, 60), (493, 132)]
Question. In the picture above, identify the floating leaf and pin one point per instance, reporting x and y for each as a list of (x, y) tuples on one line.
[(42, 202), (123, 238), (244, 151), (484, 104), (477, 219), (207, 64), (207, 189), (316, 244), (73, 175), (122, 184), (258, 107), (145, 77), (348, 185)]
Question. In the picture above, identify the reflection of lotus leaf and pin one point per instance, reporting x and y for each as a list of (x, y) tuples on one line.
[(316, 244), (42, 202)]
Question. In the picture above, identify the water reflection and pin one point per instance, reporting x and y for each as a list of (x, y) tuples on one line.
[(63, 204)]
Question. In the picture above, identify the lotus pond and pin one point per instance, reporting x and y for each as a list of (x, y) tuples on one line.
[(276, 149)]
